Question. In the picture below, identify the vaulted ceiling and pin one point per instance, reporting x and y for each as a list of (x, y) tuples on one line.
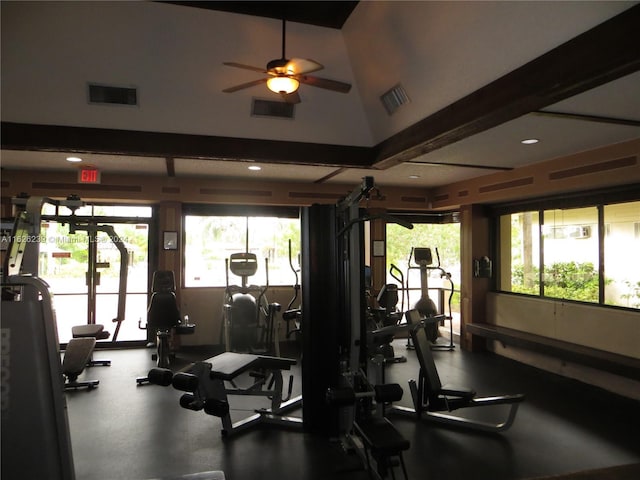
[(479, 78)]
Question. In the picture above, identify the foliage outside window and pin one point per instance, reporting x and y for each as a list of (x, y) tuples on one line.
[(559, 257), (210, 240), (570, 250)]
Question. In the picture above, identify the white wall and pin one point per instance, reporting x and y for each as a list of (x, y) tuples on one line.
[(608, 329)]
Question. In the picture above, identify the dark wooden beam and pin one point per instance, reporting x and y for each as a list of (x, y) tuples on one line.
[(21, 136), (589, 118), (606, 52), (331, 14)]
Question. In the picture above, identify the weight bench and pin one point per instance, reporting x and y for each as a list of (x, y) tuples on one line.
[(92, 331), (76, 358), (205, 384), (430, 397)]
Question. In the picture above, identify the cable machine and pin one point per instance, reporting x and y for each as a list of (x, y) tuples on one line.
[(335, 356), (23, 253)]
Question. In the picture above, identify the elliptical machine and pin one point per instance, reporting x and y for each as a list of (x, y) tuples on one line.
[(248, 318), (425, 305)]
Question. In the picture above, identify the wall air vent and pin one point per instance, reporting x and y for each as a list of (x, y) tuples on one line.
[(269, 108), (394, 99), (105, 94)]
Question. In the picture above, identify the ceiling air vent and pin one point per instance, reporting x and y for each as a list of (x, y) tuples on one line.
[(269, 108), (394, 99), (111, 95)]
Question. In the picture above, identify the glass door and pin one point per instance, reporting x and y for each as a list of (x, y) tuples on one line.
[(97, 268)]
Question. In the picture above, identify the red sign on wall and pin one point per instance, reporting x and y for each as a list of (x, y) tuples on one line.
[(89, 175)]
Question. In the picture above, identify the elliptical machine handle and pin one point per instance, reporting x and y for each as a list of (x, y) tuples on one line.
[(400, 277)]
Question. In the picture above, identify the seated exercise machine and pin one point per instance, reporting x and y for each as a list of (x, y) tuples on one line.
[(163, 318), (206, 388), (430, 397), (249, 320), (380, 439), (425, 305)]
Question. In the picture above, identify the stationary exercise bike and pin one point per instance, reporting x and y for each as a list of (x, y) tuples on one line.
[(163, 317), (248, 318)]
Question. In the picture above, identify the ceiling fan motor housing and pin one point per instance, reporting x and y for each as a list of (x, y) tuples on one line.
[(278, 65)]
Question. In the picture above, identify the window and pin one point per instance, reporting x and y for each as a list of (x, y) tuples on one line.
[(622, 260), (209, 240), (520, 252), (561, 253), (570, 251)]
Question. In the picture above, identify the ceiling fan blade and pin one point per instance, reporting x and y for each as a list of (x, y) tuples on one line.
[(301, 66), (245, 67), (244, 85), (324, 83), (293, 97)]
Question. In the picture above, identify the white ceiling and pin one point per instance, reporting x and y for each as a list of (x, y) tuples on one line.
[(439, 51)]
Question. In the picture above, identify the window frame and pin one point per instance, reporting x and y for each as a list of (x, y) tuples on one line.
[(598, 199), (247, 211)]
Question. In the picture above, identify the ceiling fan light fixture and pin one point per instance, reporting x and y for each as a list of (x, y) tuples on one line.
[(283, 84)]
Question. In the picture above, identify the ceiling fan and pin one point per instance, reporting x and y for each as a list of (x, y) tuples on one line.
[(285, 76)]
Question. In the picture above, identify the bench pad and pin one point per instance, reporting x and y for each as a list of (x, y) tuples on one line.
[(382, 437), (229, 365)]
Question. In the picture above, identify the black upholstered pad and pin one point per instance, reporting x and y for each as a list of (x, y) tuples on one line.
[(92, 330), (229, 365), (77, 355), (381, 436)]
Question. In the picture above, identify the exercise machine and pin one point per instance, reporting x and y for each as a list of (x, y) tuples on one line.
[(23, 253), (335, 332), (210, 383), (431, 398), (163, 319), (293, 314), (388, 315), (425, 305), (35, 426), (380, 439), (249, 320)]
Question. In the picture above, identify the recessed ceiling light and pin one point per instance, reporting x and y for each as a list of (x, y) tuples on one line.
[(74, 159), (413, 177), (530, 141), (255, 167)]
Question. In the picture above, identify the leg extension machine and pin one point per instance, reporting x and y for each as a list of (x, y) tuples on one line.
[(430, 397), (207, 391)]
